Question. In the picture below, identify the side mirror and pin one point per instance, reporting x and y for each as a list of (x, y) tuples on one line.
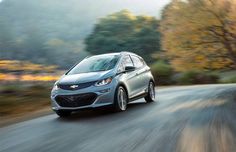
[(129, 68)]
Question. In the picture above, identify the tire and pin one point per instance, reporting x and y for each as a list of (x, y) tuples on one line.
[(151, 93), (61, 113), (120, 99)]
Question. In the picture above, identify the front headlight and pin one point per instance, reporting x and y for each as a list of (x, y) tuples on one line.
[(55, 87), (103, 82)]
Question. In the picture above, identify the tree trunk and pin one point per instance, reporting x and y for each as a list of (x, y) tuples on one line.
[(231, 53)]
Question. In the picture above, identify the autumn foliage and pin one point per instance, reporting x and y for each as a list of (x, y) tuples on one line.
[(200, 34), (15, 70)]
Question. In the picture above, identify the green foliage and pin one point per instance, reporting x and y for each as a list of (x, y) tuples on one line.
[(52, 32), (228, 79), (162, 72), (197, 77), (28, 34), (122, 31)]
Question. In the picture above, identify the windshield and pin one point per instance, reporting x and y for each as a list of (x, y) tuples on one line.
[(95, 64)]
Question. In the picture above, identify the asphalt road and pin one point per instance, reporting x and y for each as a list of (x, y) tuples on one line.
[(183, 119)]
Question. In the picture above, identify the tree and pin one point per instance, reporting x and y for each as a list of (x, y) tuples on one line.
[(25, 35), (122, 31), (200, 34)]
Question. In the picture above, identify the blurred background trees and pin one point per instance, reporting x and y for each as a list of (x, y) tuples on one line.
[(123, 31), (200, 34), (191, 40), (53, 31)]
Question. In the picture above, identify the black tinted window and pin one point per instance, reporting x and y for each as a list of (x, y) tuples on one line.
[(137, 61)]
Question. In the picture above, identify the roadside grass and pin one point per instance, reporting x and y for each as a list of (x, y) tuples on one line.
[(228, 77), (199, 77), (20, 99)]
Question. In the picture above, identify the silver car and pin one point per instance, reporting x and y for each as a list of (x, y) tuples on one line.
[(113, 79)]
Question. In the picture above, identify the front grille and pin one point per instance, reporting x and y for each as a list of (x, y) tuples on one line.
[(78, 86), (76, 100)]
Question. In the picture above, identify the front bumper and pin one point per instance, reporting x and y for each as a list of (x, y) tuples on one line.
[(102, 96)]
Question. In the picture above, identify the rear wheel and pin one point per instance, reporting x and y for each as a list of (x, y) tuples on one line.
[(121, 99), (151, 93), (61, 113)]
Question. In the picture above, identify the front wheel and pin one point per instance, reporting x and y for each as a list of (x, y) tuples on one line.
[(120, 100), (151, 93), (61, 113)]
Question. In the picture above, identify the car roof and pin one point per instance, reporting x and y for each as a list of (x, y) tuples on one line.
[(118, 53), (129, 53)]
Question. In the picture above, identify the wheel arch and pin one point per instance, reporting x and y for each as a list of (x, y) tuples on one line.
[(124, 86), (153, 81)]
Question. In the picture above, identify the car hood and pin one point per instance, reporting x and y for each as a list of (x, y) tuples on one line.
[(84, 77)]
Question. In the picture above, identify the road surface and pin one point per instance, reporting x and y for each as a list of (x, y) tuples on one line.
[(183, 119)]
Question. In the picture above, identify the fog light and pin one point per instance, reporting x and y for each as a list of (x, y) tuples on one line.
[(104, 91), (55, 108)]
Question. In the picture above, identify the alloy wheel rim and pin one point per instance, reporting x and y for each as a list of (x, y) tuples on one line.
[(122, 99), (152, 91)]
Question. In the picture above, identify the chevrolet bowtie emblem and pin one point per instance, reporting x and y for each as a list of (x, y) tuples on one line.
[(74, 86)]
